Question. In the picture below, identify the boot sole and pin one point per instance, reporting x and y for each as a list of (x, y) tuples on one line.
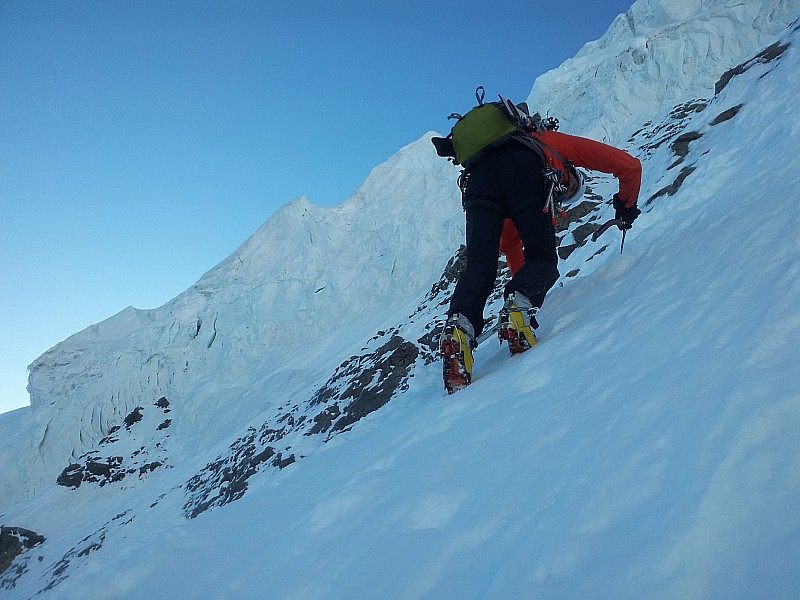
[(519, 336), (455, 375)]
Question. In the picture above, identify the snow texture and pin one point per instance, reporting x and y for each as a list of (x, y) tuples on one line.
[(656, 55), (280, 429)]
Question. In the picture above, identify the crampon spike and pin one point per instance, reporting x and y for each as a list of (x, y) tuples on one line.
[(516, 344), (453, 373)]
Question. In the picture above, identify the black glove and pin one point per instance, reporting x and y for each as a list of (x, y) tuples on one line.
[(625, 214)]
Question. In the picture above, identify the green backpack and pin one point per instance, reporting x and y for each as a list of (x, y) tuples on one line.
[(486, 126), (492, 124)]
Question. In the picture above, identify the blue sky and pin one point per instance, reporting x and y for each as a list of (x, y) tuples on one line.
[(142, 142)]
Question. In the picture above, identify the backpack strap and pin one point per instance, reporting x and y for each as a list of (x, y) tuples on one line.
[(530, 142), (480, 94), (542, 144)]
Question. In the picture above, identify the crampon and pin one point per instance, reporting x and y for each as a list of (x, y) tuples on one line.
[(455, 348), (512, 329), (455, 375)]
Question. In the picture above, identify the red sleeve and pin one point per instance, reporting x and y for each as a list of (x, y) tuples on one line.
[(597, 156)]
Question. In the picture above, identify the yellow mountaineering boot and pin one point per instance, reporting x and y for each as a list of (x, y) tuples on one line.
[(517, 322), (458, 340)]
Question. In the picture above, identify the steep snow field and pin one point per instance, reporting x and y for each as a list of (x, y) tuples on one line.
[(656, 55), (648, 447)]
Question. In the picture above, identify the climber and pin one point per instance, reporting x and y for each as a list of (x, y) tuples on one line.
[(505, 200)]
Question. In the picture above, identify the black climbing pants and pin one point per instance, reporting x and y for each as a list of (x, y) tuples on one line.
[(506, 183)]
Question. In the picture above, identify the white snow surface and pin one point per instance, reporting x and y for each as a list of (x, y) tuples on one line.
[(656, 55), (648, 447), (304, 274)]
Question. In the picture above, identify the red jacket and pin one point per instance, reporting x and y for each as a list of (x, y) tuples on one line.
[(587, 154)]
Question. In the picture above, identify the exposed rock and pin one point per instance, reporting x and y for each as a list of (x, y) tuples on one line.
[(583, 232), (324, 420), (14, 543), (672, 188), (603, 249), (687, 109), (681, 146), (654, 136), (86, 546), (101, 468), (71, 476), (225, 480), (134, 417), (450, 274), (386, 377), (768, 55), (368, 382), (726, 115), (110, 439), (565, 251)]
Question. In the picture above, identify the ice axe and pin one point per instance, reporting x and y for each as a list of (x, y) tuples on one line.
[(623, 225)]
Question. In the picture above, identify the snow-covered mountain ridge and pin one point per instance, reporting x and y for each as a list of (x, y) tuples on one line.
[(644, 438), (303, 274), (656, 55), (312, 269)]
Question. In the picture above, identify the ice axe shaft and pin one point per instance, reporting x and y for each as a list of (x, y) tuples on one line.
[(623, 225)]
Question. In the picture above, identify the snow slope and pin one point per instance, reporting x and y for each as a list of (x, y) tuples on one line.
[(304, 273), (656, 55), (649, 447)]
